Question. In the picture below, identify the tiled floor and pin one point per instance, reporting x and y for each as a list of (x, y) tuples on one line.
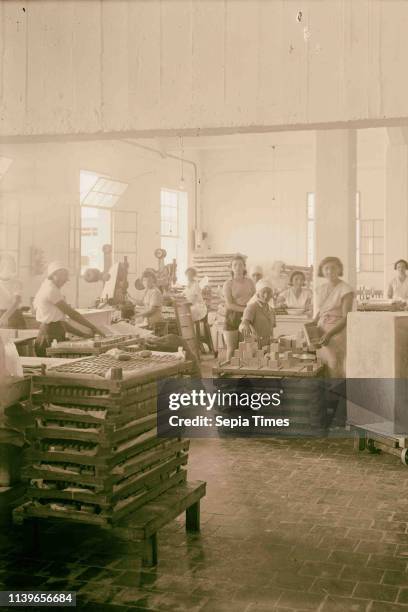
[(286, 525)]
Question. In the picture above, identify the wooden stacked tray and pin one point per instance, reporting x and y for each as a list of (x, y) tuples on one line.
[(216, 267), (94, 455), (381, 306), (94, 346)]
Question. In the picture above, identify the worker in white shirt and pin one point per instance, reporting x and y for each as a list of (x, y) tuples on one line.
[(194, 296), (10, 294), (51, 311)]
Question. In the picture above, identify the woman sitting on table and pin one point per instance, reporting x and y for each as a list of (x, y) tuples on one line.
[(259, 317), (51, 311), (334, 300), (296, 296), (398, 287), (10, 294), (152, 300), (237, 292)]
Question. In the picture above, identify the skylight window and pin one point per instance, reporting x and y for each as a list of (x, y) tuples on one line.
[(101, 191)]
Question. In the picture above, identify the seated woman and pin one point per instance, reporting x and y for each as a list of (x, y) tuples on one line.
[(10, 294), (152, 300), (296, 295), (259, 317), (398, 287), (334, 300), (237, 292)]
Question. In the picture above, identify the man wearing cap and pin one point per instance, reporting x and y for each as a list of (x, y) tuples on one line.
[(259, 317), (51, 310)]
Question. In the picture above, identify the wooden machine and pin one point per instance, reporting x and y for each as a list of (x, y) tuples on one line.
[(166, 274), (114, 278)]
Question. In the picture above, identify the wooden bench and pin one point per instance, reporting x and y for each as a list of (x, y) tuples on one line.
[(142, 525)]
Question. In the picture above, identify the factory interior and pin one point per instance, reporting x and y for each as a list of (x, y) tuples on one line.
[(208, 194)]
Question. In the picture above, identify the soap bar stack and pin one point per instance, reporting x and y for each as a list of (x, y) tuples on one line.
[(95, 456), (72, 349), (279, 355)]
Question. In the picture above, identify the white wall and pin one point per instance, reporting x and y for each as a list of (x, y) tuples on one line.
[(93, 67), (255, 203), (44, 180), (240, 214)]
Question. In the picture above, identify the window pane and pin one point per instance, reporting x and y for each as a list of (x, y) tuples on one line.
[(378, 245), (366, 228), (379, 263), (100, 191), (366, 245), (95, 232), (366, 263), (378, 227)]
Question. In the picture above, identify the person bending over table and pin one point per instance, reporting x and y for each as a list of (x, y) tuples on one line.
[(237, 292), (51, 311)]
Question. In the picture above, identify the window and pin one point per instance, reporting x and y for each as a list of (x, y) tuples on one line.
[(174, 228), (372, 245), (100, 190), (98, 195)]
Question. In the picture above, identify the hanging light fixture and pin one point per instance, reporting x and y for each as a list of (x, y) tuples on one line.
[(182, 183)]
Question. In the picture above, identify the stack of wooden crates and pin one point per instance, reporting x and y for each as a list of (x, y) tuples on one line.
[(95, 456)]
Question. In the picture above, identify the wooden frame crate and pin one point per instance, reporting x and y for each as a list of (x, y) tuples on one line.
[(95, 456)]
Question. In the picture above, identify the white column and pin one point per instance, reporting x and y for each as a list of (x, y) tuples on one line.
[(396, 200), (336, 186)]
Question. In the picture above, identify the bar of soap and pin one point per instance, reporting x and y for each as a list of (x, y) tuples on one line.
[(145, 354)]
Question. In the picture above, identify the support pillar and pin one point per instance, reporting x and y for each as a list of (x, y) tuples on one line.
[(336, 187), (396, 200)]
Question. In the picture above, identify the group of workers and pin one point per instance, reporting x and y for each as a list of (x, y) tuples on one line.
[(250, 304), (249, 310)]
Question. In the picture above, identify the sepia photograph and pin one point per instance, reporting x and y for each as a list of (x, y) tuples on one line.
[(204, 305)]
